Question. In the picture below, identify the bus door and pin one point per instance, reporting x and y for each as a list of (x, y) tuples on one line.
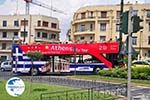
[(61, 65)]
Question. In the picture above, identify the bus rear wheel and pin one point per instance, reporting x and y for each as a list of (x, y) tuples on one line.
[(34, 71)]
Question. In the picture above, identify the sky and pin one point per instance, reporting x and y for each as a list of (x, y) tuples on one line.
[(10, 7)]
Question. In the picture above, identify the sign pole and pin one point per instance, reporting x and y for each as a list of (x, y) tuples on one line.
[(130, 29)]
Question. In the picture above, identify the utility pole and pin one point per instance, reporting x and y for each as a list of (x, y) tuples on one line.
[(130, 30)]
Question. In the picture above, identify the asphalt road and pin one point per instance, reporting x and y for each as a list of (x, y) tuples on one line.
[(138, 92)]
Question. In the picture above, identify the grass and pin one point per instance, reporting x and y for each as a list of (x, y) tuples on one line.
[(37, 89), (111, 79)]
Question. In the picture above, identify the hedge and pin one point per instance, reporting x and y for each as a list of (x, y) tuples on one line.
[(142, 73)]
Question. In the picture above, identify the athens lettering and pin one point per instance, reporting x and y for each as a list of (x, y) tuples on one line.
[(61, 48), (67, 48)]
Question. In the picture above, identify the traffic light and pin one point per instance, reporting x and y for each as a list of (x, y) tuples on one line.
[(124, 22), (136, 23)]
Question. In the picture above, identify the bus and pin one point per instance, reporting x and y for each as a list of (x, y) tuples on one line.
[(57, 58)]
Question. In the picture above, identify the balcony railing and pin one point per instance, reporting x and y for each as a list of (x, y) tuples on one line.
[(46, 39), (8, 39), (89, 17), (10, 28), (7, 49), (47, 28), (85, 30)]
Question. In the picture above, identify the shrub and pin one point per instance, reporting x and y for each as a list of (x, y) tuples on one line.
[(142, 73), (105, 72)]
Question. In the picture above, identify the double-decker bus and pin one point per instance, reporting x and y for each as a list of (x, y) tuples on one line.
[(52, 61)]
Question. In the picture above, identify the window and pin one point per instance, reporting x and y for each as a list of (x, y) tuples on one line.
[(91, 38), (134, 40), (82, 15), (44, 35), (3, 46), (103, 27), (39, 23), (16, 23), (102, 38), (4, 23), (24, 22), (53, 25), (117, 28), (148, 13), (82, 28), (45, 24), (118, 15), (38, 34), (82, 38), (24, 33), (16, 34), (53, 36), (4, 35), (103, 14), (3, 58), (91, 14), (91, 27), (149, 26), (149, 40), (135, 12), (148, 53)]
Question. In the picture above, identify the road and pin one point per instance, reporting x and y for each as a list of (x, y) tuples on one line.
[(138, 92)]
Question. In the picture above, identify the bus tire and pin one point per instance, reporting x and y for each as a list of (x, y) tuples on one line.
[(96, 70), (34, 71), (2, 69)]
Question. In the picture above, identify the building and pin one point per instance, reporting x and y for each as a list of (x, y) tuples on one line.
[(28, 29), (100, 23)]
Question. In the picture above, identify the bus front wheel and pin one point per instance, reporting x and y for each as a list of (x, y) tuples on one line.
[(96, 70), (34, 71)]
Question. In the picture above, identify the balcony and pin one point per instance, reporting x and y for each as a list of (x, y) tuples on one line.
[(10, 28), (7, 50), (46, 40), (8, 39), (148, 18), (103, 18), (85, 19), (47, 29), (84, 32)]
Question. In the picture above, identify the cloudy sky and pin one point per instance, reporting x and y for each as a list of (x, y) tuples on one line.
[(68, 6)]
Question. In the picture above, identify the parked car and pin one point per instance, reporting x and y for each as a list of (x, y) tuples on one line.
[(6, 66), (140, 63)]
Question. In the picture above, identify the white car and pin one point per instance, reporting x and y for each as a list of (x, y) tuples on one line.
[(6, 66)]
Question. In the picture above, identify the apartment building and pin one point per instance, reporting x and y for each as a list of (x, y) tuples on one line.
[(28, 29), (100, 24)]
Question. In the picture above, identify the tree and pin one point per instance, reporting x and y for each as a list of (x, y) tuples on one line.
[(34, 55)]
